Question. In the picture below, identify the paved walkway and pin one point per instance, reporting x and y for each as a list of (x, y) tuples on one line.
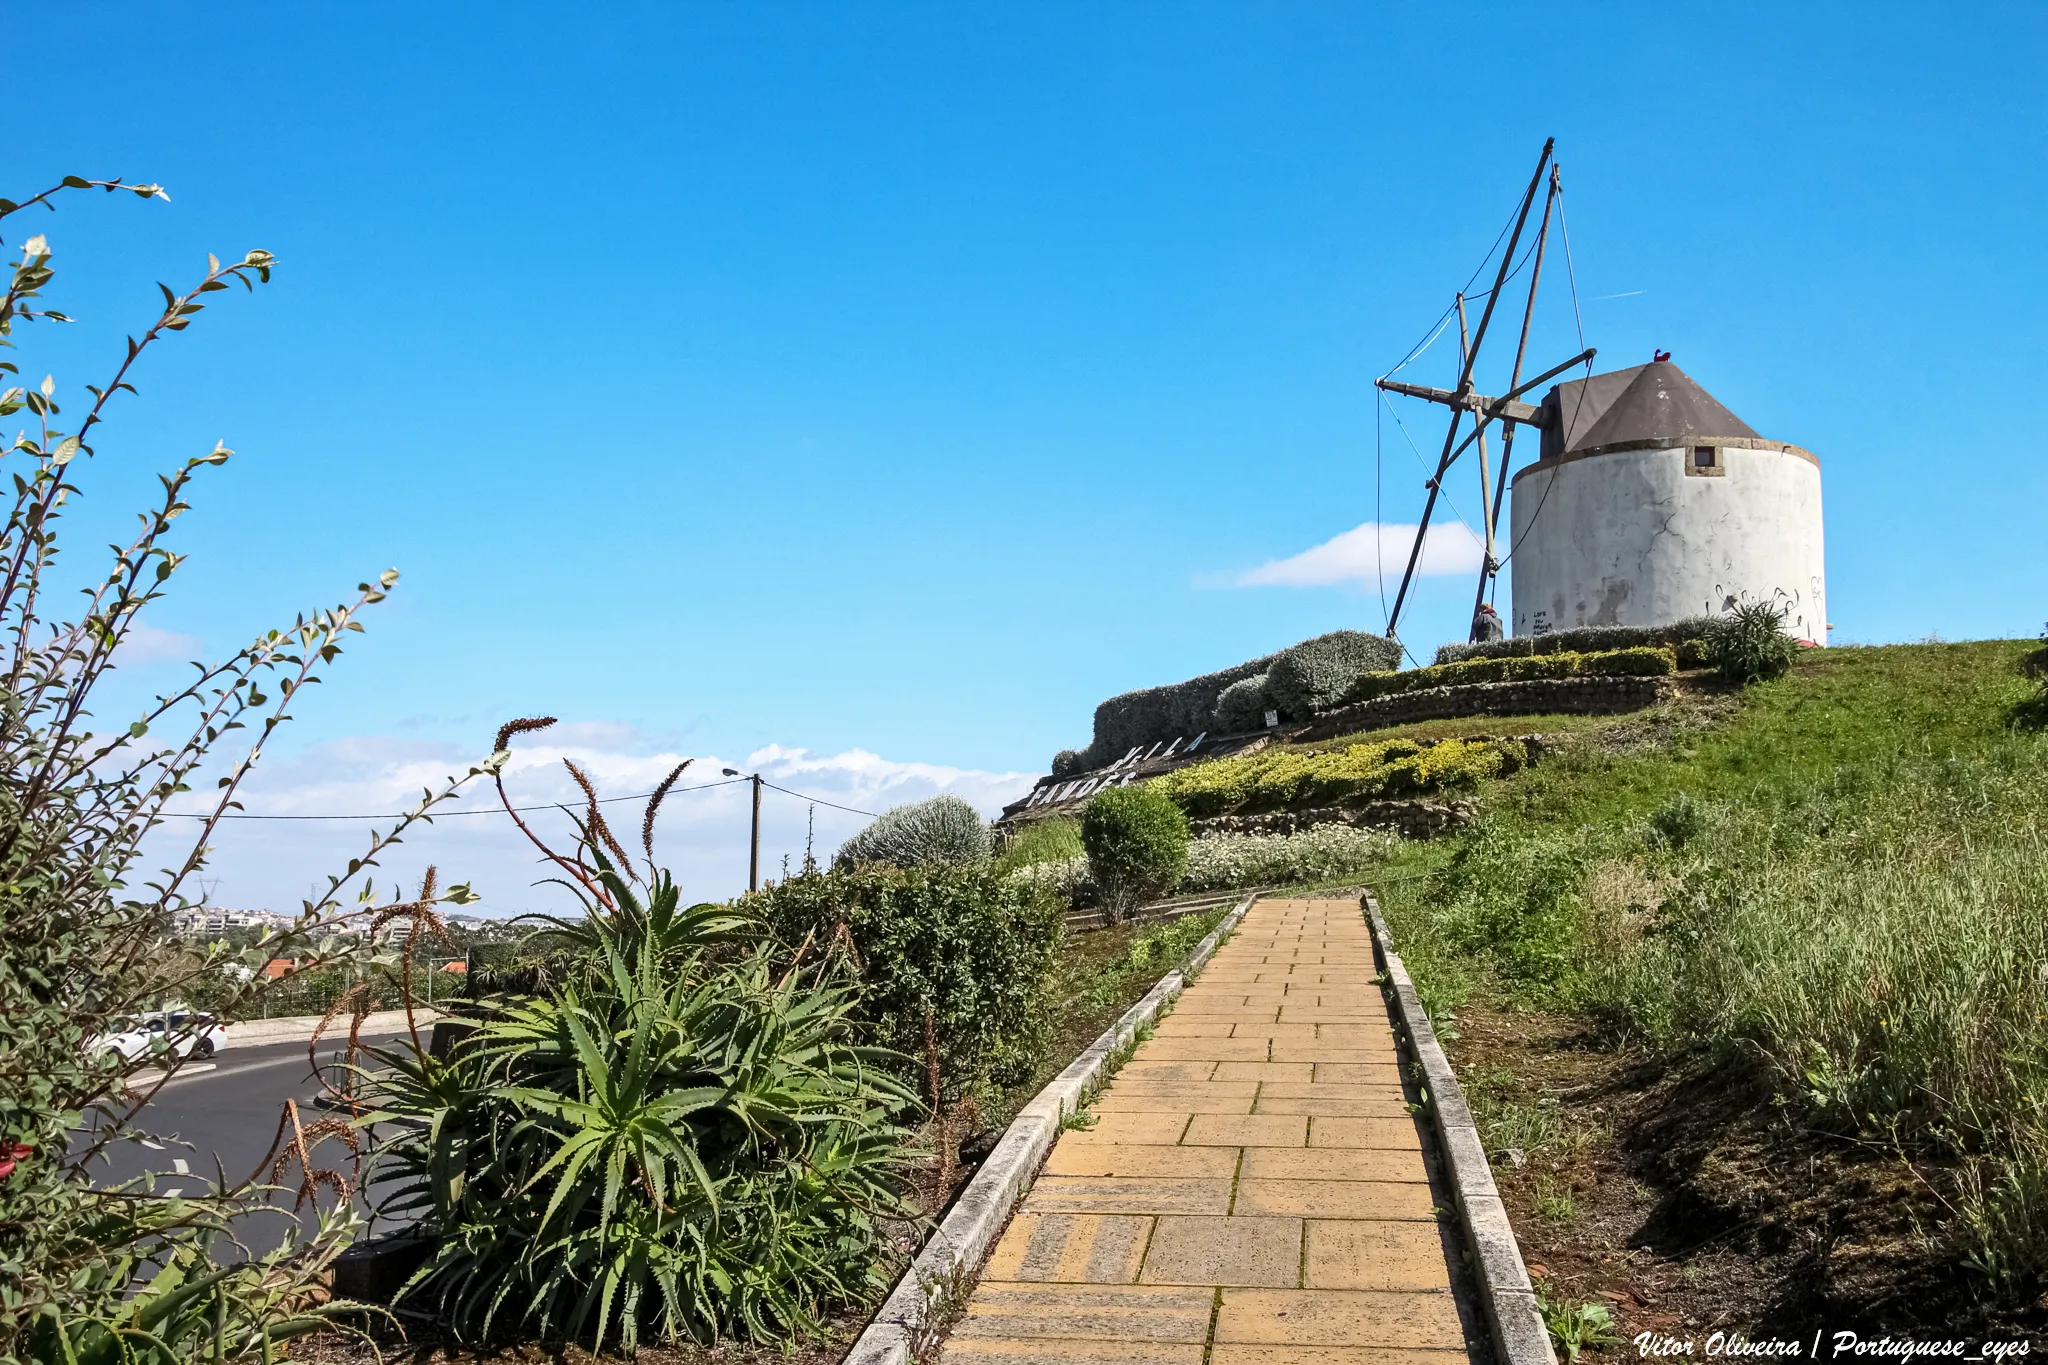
[(1252, 1191)]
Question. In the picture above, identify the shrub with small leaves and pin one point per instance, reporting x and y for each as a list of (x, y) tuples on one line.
[(1243, 705), (1312, 676), (1067, 762), (944, 829), (1748, 643), (1137, 842)]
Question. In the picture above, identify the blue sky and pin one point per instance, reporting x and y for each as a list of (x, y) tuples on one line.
[(902, 380)]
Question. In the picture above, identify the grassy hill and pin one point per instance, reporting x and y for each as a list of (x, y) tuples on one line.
[(1807, 920)]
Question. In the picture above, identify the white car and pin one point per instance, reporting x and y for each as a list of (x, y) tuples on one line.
[(192, 1034)]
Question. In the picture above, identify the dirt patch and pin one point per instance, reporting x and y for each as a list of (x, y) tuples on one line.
[(1685, 1199)]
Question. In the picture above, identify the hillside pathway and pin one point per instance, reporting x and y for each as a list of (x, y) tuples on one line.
[(1252, 1191)]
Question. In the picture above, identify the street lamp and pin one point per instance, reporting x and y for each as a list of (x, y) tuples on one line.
[(754, 844)]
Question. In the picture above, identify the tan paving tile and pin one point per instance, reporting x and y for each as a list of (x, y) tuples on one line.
[(1335, 1198), (1335, 1054), (1151, 1085), (1385, 1087), (1265, 1071), (1376, 1255), (1225, 1251), (1389, 1105), (1118, 1159), (1232, 1354), (1054, 1351), (1356, 1073), (1131, 1126), (1334, 1317), (1210, 1099), (1245, 1130), (1364, 1133), (1071, 1247), (1140, 1068), (1212, 1050), (1128, 1194), (1093, 1312), (1334, 1163), (1193, 1026)]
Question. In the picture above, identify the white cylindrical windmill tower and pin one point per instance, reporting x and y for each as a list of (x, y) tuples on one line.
[(1652, 502)]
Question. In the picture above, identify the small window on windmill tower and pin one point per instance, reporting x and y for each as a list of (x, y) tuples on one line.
[(1705, 460)]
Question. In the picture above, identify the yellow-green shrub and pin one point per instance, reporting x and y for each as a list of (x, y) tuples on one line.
[(1359, 772)]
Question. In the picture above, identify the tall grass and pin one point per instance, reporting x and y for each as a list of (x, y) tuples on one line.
[(1850, 882)]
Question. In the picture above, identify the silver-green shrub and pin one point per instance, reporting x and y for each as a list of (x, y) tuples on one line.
[(1242, 706), (944, 829), (1310, 677)]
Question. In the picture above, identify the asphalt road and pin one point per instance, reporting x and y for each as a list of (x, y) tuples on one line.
[(203, 1123)]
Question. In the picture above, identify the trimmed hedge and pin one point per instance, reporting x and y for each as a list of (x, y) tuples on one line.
[(1682, 636), (1305, 678), (1276, 779), (1313, 675), (944, 829), (1638, 662), (1243, 705), (972, 945)]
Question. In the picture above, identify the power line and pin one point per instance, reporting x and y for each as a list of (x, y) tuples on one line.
[(551, 805), (818, 801)]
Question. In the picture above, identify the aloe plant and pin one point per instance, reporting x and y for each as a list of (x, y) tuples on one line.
[(677, 1141)]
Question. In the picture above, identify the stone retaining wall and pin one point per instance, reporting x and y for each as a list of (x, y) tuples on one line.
[(1409, 819), (1530, 697)]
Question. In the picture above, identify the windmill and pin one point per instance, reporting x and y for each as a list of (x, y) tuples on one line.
[(1506, 409)]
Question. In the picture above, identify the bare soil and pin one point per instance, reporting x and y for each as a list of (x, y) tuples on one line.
[(1687, 1202)]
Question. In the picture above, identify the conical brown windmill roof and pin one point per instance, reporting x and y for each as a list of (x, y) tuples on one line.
[(1662, 406)]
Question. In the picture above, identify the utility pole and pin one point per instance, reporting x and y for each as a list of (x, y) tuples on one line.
[(754, 852)]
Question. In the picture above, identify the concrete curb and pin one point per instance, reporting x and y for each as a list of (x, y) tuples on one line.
[(1519, 1336), (299, 1028), (941, 1276)]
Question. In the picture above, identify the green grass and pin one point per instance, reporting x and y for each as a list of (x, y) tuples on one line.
[(1848, 879)]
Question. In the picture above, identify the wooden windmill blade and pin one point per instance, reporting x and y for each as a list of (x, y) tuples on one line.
[(1505, 409)]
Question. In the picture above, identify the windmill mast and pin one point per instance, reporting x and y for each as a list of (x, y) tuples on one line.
[(1483, 409)]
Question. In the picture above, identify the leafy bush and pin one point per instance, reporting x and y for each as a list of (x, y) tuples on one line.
[(1042, 841), (1585, 640), (85, 922), (951, 958), (1313, 675), (1242, 706), (1279, 778), (1068, 762), (944, 829), (1636, 662), (1748, 643), (1137, 842), (681, 1140)]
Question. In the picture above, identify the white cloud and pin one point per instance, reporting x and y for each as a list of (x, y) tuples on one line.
[(702, 834), (1368, 553), (148, 644)]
